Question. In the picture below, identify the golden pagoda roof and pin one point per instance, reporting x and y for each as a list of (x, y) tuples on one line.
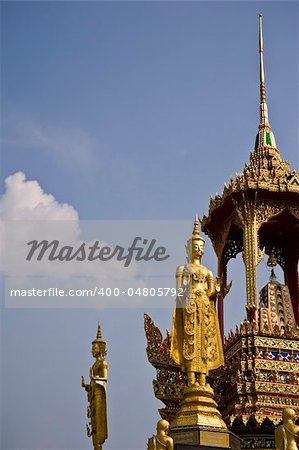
[(266, 170)]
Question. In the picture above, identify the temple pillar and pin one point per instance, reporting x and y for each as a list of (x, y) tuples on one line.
[(250, 256)]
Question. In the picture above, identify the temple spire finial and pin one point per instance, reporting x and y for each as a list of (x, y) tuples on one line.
[(264, 120), (265, 137), (261, 51)]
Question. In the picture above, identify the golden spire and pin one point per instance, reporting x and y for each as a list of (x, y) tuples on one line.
[(99, 337), (99, 332), (261, 51), (265, 136)]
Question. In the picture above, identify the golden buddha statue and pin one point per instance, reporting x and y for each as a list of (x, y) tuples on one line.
[(96, 391), (196, 343), (287, 434), (161, 441)]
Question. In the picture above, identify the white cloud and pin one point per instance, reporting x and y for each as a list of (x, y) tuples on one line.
[(25, 200), (28, 213), (63, 144)]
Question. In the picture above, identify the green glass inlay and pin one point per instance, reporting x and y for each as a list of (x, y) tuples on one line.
[(268, 138)]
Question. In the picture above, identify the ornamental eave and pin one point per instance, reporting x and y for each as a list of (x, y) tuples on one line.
[(220, 207)]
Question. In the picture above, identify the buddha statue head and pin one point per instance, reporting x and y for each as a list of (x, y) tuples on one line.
[(98, 345)]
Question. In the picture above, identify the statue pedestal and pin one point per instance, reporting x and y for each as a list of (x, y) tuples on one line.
[(199, 425), (200, 438), (198, 408)]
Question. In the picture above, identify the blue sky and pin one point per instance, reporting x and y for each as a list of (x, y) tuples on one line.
[(125, 110)]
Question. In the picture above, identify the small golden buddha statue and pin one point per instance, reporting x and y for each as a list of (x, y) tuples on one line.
[(96, 393), (287, 434), (161, 441), (196, 343)]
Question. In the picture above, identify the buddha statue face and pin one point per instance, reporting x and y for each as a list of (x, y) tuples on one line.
[(95, 349), (98, 349), (198, 247)]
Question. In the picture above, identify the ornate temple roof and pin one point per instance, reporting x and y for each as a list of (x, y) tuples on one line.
[(266, 170)]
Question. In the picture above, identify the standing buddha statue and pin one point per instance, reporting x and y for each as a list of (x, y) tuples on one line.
[(96, 393), (196, 343)]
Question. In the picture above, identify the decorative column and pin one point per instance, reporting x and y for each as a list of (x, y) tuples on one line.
[(247, 214)]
